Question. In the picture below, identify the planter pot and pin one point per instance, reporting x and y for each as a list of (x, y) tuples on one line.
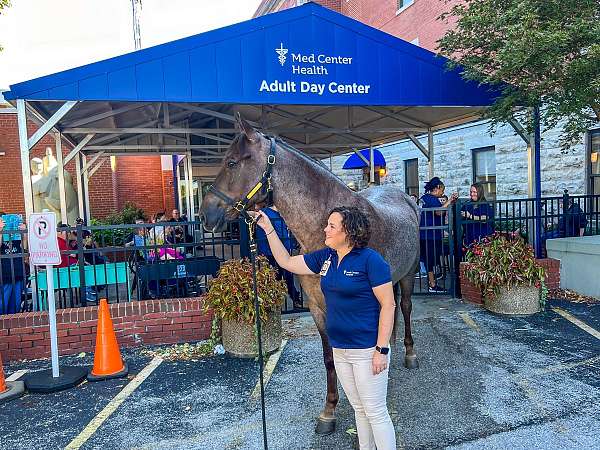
[(518, 300), (239, 338)]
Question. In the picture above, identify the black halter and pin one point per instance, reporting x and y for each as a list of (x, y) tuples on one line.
[(264, 184)]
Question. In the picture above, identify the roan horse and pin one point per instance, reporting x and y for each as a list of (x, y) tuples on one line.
[(305, 191)]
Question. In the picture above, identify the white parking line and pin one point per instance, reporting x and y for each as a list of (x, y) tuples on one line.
[(574, 320), (95, 423), (18, 374), (268, 370)]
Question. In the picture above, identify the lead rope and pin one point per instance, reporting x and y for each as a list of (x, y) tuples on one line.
[(251, 223)]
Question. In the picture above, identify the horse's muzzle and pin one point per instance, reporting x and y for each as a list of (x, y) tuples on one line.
[(213, 219)]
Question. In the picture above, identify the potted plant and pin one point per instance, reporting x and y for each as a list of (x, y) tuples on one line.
[(231, 298), (504, 267)]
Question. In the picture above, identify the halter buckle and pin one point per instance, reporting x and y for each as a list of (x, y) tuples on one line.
[(271, 160), (239, 206)]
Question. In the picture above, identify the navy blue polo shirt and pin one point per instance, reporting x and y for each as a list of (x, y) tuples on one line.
[(430, 218), (352, 308)]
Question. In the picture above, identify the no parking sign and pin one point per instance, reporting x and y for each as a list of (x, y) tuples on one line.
[(43, 243)]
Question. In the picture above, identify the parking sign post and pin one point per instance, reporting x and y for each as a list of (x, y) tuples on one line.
[(44, 251)]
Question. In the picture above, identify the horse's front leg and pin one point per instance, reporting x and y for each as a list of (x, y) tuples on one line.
[(326, 421)]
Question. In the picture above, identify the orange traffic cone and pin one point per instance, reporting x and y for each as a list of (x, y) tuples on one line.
[(9, 389), (108, 363)]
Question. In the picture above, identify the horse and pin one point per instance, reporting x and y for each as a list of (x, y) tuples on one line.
[(304, 191)]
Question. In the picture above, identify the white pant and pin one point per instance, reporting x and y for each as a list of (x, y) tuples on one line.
[(367, 393)]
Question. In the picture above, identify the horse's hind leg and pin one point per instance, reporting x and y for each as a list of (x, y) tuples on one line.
[(406, 289), (326, 421)]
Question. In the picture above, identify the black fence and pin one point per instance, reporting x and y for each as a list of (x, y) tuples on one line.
[(124, 263), (177, 259)]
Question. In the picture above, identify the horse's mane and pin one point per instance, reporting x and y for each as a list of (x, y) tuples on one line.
[(307, 158)]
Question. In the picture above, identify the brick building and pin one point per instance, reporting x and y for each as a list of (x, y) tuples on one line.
[(467, 153), (146, 181)]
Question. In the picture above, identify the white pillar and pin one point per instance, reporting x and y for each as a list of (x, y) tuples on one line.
[(86, 198), (80, 185), (430, 151), (191, 186), (61, 178), (25, 163), (187, 187)]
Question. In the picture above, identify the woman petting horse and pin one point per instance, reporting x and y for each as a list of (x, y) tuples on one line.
[(357, 285), (304, 192)]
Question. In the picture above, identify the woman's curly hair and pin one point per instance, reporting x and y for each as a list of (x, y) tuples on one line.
[(356, 225)]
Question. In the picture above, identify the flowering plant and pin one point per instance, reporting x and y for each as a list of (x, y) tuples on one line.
[(231, 294), (502, 260)]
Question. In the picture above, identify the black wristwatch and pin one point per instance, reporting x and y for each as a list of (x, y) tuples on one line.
[(382, 350)]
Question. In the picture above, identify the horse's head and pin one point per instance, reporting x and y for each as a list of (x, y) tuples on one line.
[(243, 166)]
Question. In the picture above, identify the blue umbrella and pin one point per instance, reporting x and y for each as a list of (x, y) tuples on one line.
[(355, 162)]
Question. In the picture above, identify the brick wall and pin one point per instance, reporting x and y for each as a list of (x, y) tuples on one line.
[(138, 179), (419, 20), (472, 294), (27, 335)]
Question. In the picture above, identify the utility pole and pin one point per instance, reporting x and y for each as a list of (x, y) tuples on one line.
[(136, 9)]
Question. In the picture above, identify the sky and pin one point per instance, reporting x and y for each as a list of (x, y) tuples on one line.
[(41, 37)]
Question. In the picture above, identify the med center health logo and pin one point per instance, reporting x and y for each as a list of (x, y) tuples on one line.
[(282, 52)]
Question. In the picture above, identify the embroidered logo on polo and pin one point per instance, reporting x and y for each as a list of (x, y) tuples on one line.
[(351, 273)]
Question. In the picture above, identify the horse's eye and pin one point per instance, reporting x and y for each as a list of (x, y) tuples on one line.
[(231, 164)]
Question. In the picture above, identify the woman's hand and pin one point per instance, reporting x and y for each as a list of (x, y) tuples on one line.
[(1, 224), (380, 362), (262, 220)]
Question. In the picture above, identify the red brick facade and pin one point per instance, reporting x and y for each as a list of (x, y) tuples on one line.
[(471, 293), (27, 335), (419, 20), (138, 179)]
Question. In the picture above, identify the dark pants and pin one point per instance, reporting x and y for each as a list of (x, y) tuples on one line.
[(431, 251), (288, 277)]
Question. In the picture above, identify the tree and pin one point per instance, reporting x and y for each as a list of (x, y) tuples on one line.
[(538, 52), (3, 4)]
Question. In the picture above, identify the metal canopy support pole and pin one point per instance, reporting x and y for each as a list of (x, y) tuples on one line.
[(191, 186), (537, 182), (80, 185), (430, 152), (186, 178), (27, 188), (86, 181), (61, 178), (25, 163), (371, 165)]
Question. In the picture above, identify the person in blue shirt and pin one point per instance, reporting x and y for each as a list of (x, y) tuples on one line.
[(479, 215), (289, 242), (431, 239), (359, 298)]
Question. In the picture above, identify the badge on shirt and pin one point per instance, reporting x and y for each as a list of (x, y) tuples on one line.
[(325, 267)]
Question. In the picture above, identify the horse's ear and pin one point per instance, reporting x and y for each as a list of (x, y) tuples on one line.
[(246, 128)]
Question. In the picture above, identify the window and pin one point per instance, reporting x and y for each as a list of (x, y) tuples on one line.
[(402, 5), (484, 170), (411, 177), (595, 162)]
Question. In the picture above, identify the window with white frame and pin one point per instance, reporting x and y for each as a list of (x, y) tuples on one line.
[(401, 5), (484, 170)]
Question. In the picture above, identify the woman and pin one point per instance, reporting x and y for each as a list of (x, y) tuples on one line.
[(480, 216), (432, 247), (356, 283)]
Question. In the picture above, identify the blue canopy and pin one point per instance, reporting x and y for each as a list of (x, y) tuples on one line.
[(322, 81), (306, 55), (355, 162)]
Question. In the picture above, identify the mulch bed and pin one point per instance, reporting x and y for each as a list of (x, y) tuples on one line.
[(571, 296)]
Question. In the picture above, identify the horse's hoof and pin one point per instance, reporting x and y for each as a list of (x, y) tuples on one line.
[(324, 426), (411, 362)]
